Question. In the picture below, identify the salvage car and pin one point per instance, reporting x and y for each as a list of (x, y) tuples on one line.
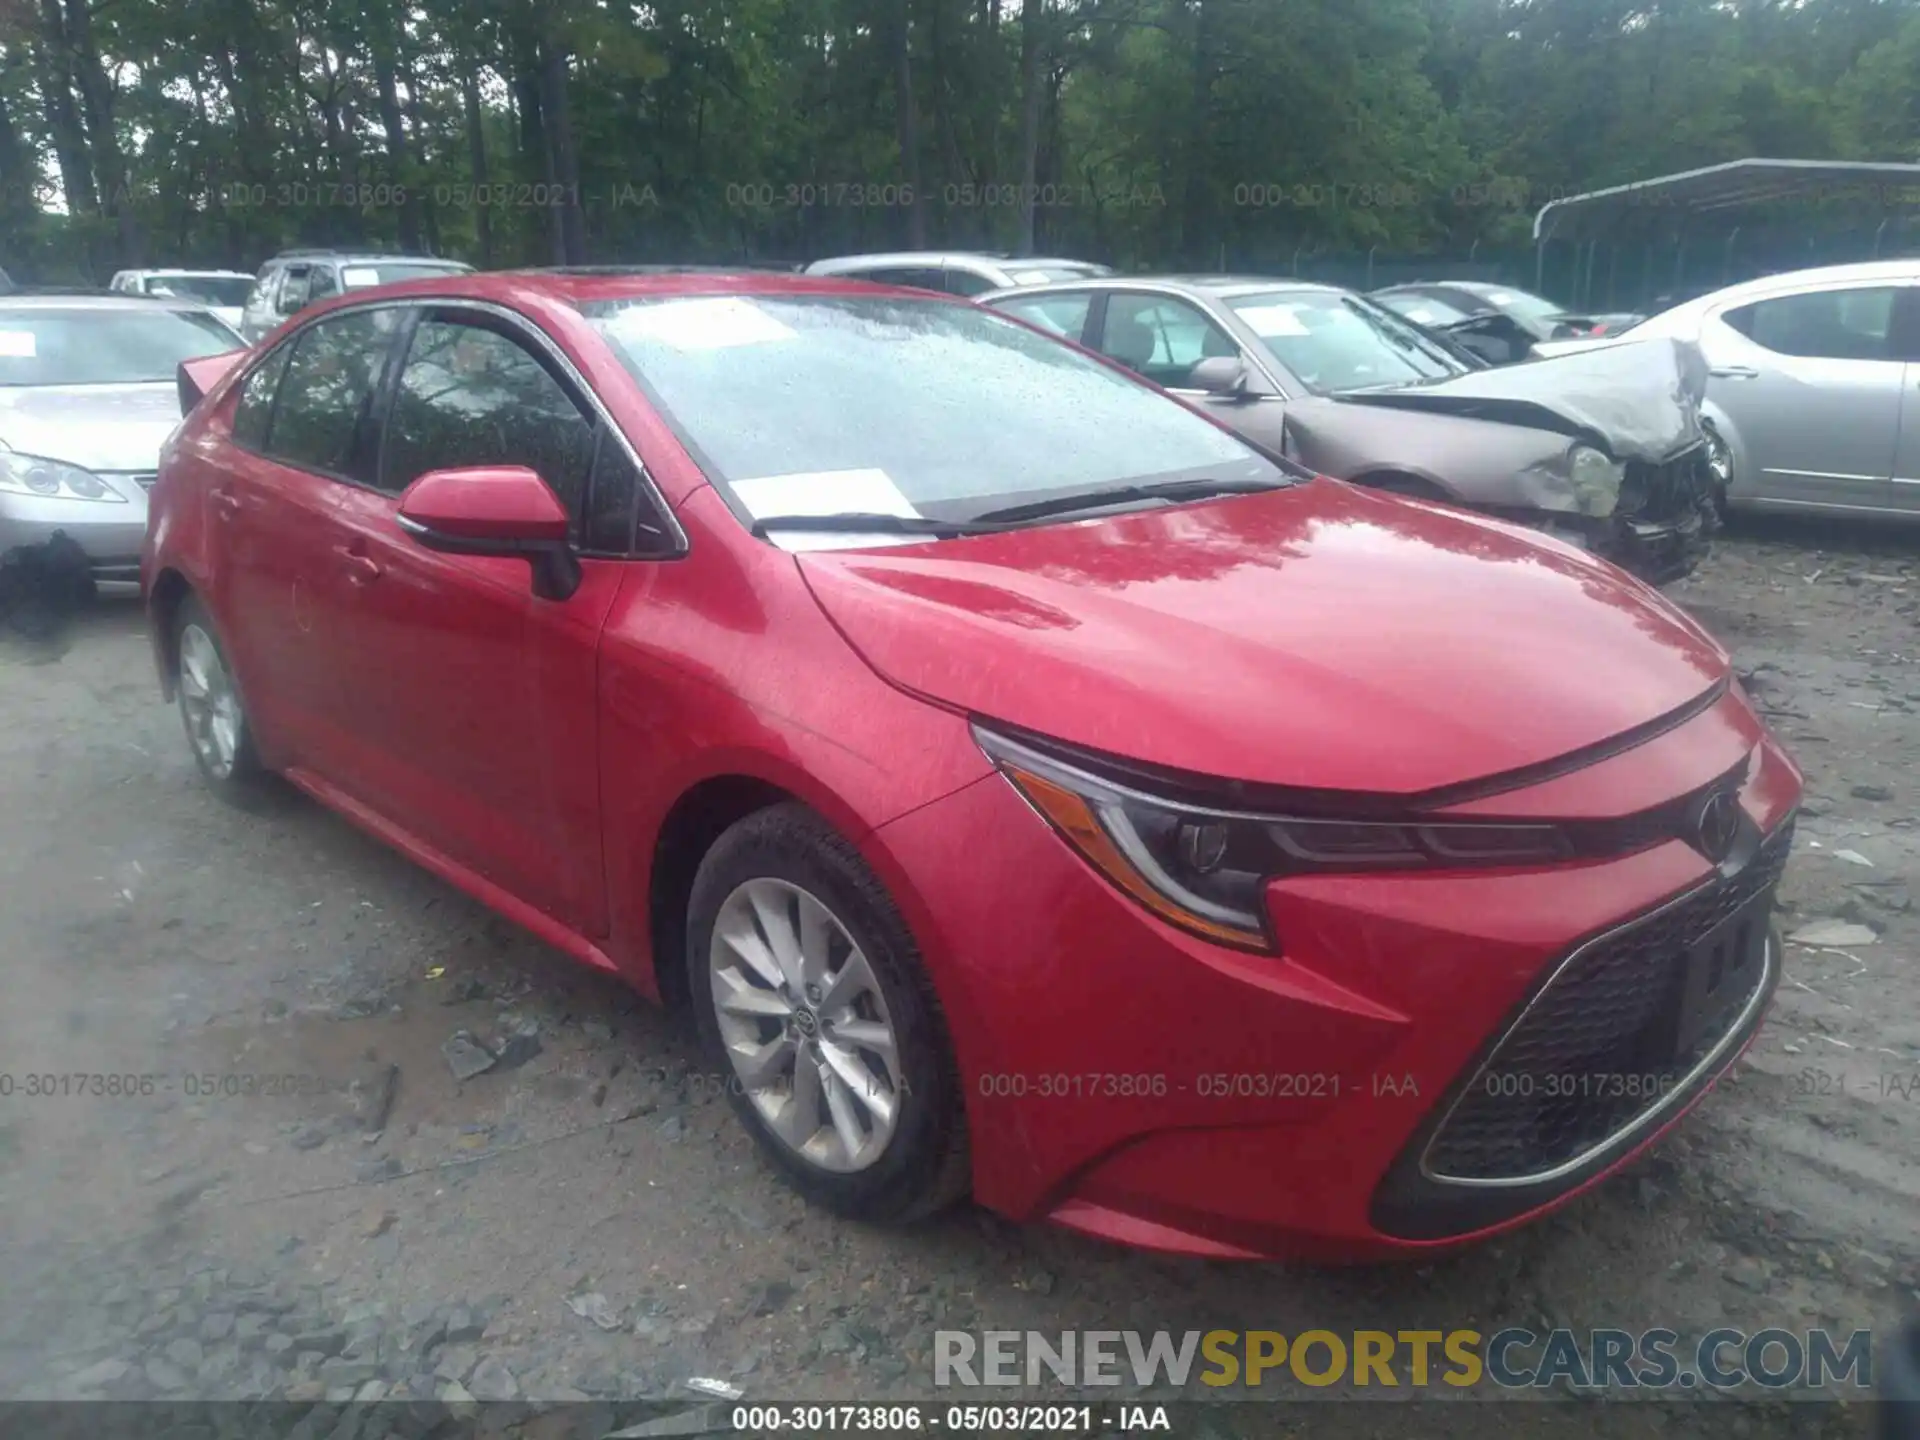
[(1813, 387), (222, 291), (87, 395), (955, 272), (1609, 456), (295, 279), (1047, 795), (1497, 323)]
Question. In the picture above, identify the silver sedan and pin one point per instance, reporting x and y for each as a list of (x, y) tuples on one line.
[(1813, 386), (88, 394)]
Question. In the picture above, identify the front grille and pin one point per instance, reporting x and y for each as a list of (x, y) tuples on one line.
[(1596, 1048), (1666, 491)]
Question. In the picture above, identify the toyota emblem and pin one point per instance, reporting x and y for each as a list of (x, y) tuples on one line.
[(1717, 825)]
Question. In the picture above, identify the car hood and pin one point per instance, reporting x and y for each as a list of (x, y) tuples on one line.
[(1637, 400), (1321, 636), (100, 427)]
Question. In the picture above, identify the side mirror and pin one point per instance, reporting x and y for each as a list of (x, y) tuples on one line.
[(494, 510), (1223, 375)]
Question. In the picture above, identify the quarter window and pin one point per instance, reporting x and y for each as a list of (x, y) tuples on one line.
[(1849, 324), (1064, 315), (472, 396), (328, 383)]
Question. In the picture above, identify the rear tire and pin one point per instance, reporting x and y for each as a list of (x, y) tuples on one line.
[(211, 711), (817, 1015)]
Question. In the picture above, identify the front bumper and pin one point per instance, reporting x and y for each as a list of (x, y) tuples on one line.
[(1134, 1082), (109, 535)]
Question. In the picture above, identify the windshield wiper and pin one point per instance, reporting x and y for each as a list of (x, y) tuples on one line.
[(862, 522), (1120, 494)]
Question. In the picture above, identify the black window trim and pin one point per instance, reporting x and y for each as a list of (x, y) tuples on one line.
[(516, 326)]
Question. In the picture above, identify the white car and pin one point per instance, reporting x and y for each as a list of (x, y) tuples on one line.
[(956, 272), (222, 291)]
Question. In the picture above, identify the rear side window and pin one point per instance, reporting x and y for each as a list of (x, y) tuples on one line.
[(1850, 324), (324, 392), (255, 408), (1063, 315), (321, 284), (472, 396)]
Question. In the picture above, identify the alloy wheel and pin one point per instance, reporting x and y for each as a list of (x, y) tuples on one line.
[(805, 1025), (209, 702)]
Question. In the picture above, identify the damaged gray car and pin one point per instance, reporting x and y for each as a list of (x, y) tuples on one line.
[(1603, 449)]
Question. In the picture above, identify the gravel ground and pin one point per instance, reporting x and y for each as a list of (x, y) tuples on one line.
[(294, 1198)]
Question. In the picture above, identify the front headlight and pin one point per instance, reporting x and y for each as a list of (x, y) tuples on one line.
[(1596, 480), (53, 480), (1206, 870)]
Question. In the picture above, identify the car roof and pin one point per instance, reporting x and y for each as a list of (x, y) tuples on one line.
[(106, 300), (362, 257), (578, 287), (998, 260), (1820, 275), (1225, 287)]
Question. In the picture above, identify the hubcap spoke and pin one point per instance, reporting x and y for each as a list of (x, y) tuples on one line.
[(868, 1090), (845, 1123), (208, 702), (813, 1047)]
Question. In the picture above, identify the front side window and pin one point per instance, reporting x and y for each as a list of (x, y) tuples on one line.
[(1337, 342), (1162, 339), (328, 383), (104, 345), (293, 289), (1849, 324), (1063, 315), (472, 396), (832, 404)]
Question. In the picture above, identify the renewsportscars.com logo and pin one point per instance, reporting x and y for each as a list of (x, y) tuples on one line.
[(1513, 1358)]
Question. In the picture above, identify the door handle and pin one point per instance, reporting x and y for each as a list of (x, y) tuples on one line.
[(361, 567), (226, 504), (1734, 372)]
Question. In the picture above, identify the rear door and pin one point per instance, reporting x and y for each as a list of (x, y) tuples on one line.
[(1814, 388), (470, 703), (297, 433)]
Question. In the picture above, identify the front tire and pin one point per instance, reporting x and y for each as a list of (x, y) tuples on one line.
[(215, 719), (815, 1010)]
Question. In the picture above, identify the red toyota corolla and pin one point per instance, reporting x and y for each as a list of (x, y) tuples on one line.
[(1028, 787)]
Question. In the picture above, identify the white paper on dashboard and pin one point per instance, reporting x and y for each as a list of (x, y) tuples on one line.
[(17, 344), (709, 323), (1271, 321), (359, 277), (823, 492)]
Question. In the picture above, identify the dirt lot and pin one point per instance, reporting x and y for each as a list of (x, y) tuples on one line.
[(369, 1226)]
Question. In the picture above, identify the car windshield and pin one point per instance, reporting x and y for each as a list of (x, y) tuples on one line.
[(1424, 309), (207, 289), (826, 405), (1335, 342), (1522, 306), (362, 274), (105, 346)]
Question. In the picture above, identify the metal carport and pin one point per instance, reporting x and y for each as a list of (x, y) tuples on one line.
[(1788, 201)]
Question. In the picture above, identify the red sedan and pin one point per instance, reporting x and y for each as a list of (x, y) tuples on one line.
[(1029, 788)]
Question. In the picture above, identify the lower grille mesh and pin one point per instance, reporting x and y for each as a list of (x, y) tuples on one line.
[(1595, 1050)]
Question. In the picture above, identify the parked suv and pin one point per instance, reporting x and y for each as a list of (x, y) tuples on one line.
[(294, 279)]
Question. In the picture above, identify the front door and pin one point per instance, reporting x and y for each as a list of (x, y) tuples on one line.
[(473, 703), (1814, 390)]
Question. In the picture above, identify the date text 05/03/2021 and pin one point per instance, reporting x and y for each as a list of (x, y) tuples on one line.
[(896, 1419)]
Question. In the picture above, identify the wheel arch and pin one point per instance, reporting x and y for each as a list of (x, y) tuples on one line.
[(165, 596), (1409, 483)]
